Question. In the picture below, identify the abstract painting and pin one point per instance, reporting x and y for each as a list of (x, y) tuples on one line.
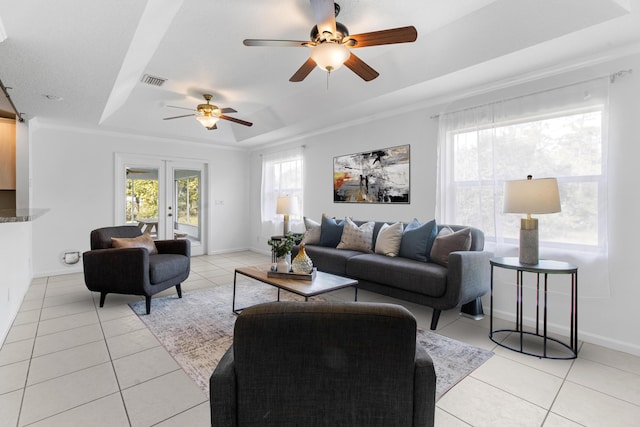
[(378, 176)]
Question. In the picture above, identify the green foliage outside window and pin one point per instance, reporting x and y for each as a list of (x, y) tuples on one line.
[(188, 200), (142, 199)]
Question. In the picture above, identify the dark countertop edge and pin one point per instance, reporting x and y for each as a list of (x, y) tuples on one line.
[(21, 215)]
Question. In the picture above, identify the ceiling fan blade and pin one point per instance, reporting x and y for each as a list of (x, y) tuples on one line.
[(377, 38), (178, 117), (233, 119), (275, 43), (227, 110), (303, 71), (359, 67), (182, 108), (324, 13), (213, 127)]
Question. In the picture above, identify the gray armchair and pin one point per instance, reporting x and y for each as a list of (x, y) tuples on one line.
[(134, 271), (324, 364)]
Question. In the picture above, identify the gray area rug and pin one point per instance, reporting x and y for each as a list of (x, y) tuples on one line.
[(198, 329)]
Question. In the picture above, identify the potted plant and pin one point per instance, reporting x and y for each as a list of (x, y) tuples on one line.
[(281, 247)]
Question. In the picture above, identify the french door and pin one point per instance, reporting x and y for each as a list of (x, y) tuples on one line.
[(165, 198)]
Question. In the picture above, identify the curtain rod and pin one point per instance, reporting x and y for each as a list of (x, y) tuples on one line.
[(612, 79), (6, 94)]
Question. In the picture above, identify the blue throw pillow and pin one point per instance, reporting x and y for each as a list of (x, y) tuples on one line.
[(417, 240), (330, 232)]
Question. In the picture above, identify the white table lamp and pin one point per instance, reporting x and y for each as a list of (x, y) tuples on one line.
[(530, 196), (286, 206)]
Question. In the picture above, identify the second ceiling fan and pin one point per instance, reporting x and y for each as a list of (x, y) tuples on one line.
[(331, 43), (208, 114)]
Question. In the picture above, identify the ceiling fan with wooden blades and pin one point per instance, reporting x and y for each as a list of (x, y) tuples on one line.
[(208, 114), (331, 43)]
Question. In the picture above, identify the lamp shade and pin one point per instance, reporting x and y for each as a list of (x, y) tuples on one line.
[(330, 56), (531, 196), (287, 205)]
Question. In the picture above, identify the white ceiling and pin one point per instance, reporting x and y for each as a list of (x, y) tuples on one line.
[(93, 54)]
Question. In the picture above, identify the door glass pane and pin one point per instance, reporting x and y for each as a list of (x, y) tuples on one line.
[(187, 202), (142, 199)]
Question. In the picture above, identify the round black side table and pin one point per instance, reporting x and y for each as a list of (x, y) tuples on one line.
[(543, 267)]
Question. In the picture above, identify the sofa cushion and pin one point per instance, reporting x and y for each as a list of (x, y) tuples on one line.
[(163, 267), (450, 241), (312, 232), (389, 239), (143, 241), (417, 239), (357, 238), (330, 231), (402, 273), (329, 260)]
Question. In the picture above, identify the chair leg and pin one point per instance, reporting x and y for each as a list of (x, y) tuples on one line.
[(434, 319), (148, 301), (179, 289), (103, 295)]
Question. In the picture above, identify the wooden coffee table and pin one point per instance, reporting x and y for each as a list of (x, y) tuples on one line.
[(321, 284)]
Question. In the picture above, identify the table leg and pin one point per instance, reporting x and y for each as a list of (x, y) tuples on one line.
[(544, 345), (519, 314), (233, 301), (537, 303), (491, 305)]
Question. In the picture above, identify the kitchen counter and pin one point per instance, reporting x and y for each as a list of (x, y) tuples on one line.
[(21, 215)]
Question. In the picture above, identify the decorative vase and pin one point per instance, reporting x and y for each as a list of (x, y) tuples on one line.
[(302, 264), (283, 266)]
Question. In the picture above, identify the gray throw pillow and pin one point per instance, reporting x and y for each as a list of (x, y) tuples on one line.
[(417, 240), (449, 241), (312, 232), (330, 231)]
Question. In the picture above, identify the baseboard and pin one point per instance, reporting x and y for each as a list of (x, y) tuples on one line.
[(68, 270), (590, 338)]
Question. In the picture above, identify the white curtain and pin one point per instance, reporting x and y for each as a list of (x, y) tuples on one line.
[(282, 175), (559, 133)]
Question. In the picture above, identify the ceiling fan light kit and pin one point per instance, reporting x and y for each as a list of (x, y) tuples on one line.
[(331, 43), (330, 56), (207, 121)]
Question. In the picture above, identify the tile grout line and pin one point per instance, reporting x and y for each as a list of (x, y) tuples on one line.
[(33, 346), (113, 368)]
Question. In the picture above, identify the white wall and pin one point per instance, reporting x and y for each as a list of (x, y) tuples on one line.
[(72, 173), (415, 128), (609, 320)]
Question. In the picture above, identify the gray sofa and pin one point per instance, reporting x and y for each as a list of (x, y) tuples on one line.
[(461, 283)]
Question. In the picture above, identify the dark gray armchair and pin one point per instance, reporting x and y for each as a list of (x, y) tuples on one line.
[(134, 271), (324, 364)]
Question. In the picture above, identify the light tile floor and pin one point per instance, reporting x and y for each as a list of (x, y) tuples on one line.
[(66, 362)]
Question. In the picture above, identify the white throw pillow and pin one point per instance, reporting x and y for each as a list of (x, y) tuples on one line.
[(389, 239), (312, 232), (356, 238)]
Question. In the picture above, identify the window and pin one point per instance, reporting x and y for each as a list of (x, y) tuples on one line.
[(282, 175), (559, 133), (188, 198)]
